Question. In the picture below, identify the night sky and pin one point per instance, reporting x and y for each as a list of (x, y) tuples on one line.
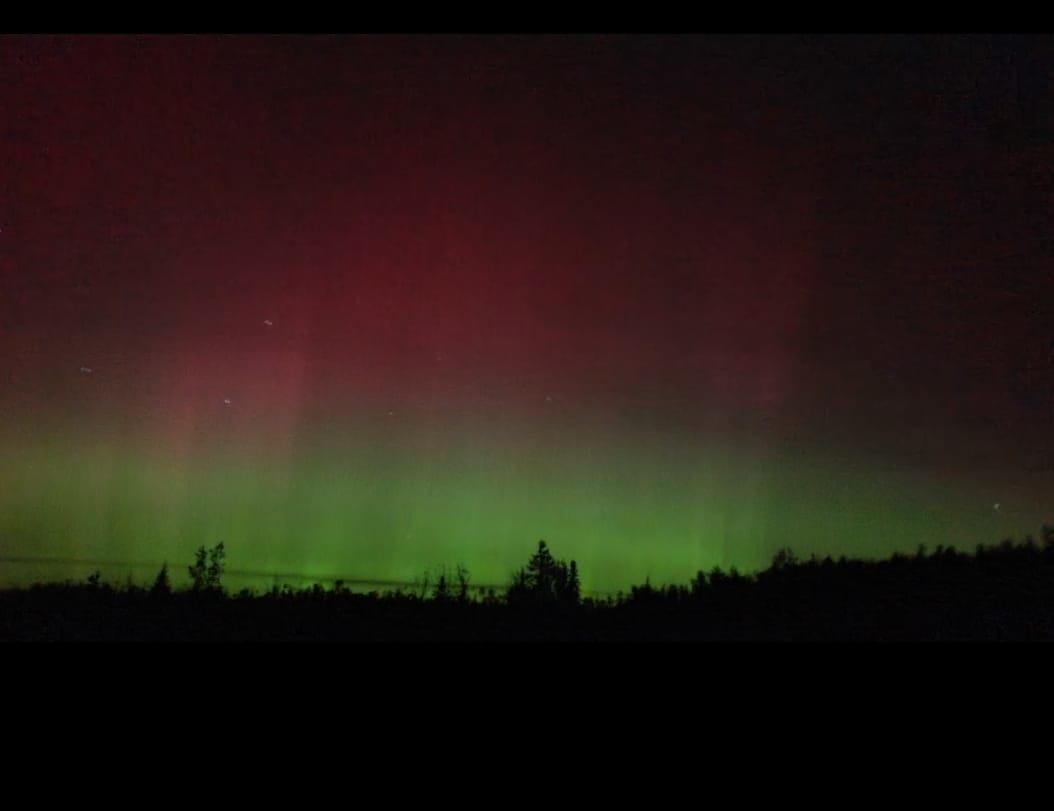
[(375, 305)]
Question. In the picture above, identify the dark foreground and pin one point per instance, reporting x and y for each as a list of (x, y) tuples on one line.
[(1001, 593)]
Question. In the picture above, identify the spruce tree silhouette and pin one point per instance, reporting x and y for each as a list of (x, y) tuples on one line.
[(542, 572), (545, 580), (574, 585), (162, 586), (208, 568), (442, 589), (462, 584)]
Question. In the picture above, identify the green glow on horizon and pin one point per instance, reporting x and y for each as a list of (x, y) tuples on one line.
[(390, 507)]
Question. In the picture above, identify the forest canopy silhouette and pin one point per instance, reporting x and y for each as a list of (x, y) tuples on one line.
[(995, 592)]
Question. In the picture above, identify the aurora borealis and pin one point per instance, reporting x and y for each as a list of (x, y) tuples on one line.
[(368, 306)]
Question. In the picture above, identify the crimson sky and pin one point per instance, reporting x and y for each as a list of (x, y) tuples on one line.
[(840, 241)]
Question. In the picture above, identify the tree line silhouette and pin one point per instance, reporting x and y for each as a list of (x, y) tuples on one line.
[(997, 592)]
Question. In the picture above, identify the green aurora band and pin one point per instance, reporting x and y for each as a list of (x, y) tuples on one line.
[(389, 506)]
